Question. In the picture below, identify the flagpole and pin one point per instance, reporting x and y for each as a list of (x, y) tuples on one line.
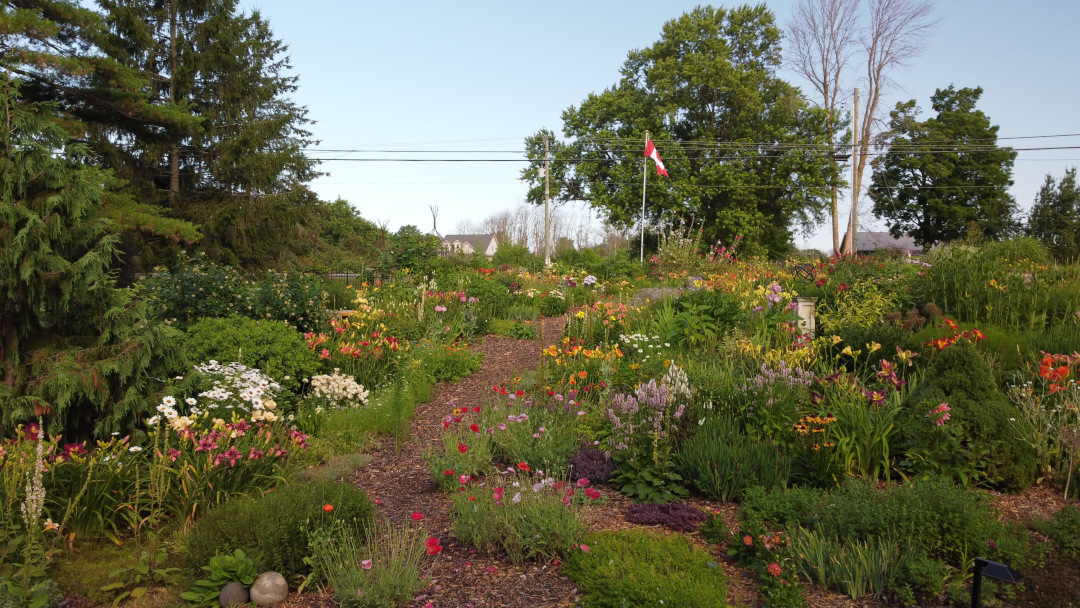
[(644, 182)]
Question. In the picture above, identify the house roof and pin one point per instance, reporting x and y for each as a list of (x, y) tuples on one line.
[(478, 241), (875, 241)]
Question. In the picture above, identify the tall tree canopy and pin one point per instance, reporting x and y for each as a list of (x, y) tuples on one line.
[(746, 154), (1055, 217), (71, 344), (185, 100), (944, 175)]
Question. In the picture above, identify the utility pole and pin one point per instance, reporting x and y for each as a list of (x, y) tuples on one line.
[(854, 226), (547, 203), (644, 182)]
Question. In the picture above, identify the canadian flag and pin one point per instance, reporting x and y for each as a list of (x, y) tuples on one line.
[(650, 152)]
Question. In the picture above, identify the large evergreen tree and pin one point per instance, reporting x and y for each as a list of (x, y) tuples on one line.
[(238, 172), (944, 175), (54, 49), (745, 153), (73, 347), (1055, 217)]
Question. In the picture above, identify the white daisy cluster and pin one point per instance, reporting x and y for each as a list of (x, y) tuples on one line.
[(643, 346), (340, 389), (168, 410), (239, 386)]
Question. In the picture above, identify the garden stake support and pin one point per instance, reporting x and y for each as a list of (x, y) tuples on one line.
[(995, 570)]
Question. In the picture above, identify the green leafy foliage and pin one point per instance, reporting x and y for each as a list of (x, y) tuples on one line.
[(222, 570), (273, 529), (641, 480), (711, 76), (270, 346), (944, 211), (979, 443), (720, 461), (642, 568)]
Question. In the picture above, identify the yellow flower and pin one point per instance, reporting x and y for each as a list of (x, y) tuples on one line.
[(836, 340), (50, 525), (580, 314), (847, 351), (873, 346)]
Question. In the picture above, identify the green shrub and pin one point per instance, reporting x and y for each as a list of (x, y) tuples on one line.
[(900, 539), (1064, 528), (300, 300), (272, 347), (450, 362), (273, 529), (194, 289), (553, 303), (721, 461), (639, 568), (520, 515), (979, 440), (515, 255)]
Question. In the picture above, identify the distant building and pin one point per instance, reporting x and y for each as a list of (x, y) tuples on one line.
[(467, 244), (869, 242)]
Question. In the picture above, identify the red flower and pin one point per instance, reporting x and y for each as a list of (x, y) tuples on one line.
[(520, 393), (774, 569), (328, 508), (445, 425), (461, 447), (474, 427), (748, 540), (524, 467), (433, 546), (448, 472), (592, 493), (476, 409), (551, 393), (417, 516)]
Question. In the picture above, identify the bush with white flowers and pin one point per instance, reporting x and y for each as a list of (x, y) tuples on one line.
[(341, 390)]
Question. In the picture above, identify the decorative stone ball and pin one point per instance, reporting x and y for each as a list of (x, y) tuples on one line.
[(233, 594), (269, 589)]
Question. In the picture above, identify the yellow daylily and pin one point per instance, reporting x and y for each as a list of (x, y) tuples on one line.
[(873, 346), (847, 351), (836, 340)]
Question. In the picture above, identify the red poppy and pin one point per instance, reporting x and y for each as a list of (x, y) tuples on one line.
[(445, 425), (417, 516), (461, 447), (524, 467), (520, 393), (476, 409), (474, 427), (551, 393), (592, 493), (433, 546), (328, 508)]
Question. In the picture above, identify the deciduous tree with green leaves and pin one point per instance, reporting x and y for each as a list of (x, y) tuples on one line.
[(1055, 217), (945, 175), (745, 152)]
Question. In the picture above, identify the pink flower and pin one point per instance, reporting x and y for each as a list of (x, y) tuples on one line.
[(584, 481), (584, 548), (366, 564), (464, 479), (592, 493), (774, 569)]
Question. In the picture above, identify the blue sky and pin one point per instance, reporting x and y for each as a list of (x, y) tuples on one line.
[(483, 75)]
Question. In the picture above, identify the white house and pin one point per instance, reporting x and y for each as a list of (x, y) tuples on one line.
[(470, 243)]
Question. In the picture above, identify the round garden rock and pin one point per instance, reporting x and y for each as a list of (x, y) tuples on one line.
[(269, 589), (233, 594)]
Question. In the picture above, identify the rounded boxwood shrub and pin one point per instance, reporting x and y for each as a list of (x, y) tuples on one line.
[(273, 347), (984, 433), (273, 529)]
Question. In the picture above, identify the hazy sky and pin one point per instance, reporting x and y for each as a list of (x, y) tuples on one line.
[(483, 75)]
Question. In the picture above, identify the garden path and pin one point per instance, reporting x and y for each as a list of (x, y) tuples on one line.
[(399, 481)]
